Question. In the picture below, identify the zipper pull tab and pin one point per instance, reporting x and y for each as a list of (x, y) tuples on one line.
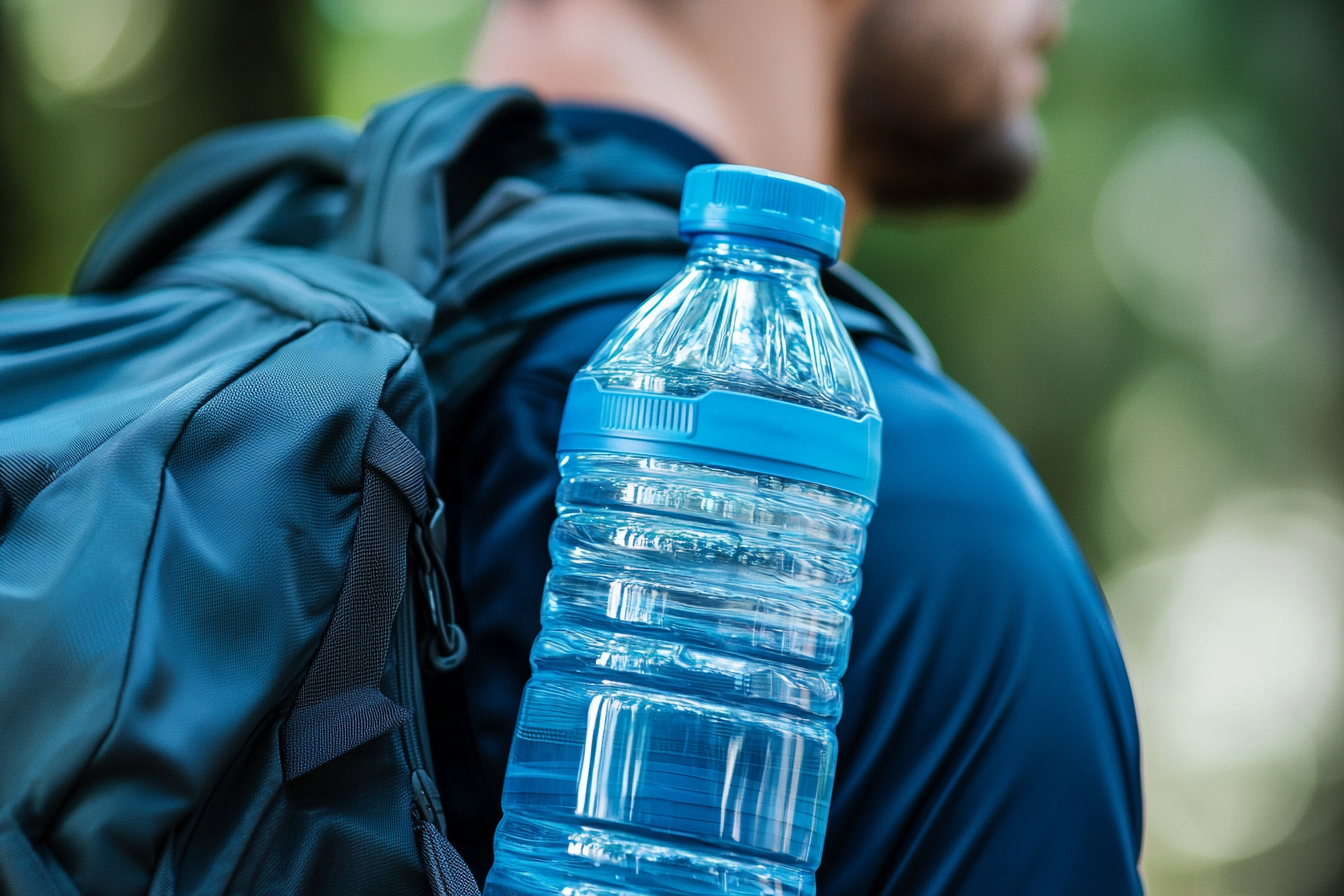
[(447, 873), (425, 797)]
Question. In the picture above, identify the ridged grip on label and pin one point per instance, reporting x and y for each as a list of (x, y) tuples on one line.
[(727, 429)]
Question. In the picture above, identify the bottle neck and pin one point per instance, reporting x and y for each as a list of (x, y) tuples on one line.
[(755, 255)]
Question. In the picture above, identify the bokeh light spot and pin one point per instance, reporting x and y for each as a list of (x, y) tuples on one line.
[(389, 16), (1169, 460), (1235, 645), (1193, 242), (88, 46)]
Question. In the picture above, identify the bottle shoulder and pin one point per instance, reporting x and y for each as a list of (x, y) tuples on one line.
[(738, 325)]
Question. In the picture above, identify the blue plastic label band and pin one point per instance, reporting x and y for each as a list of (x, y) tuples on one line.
[(727, 429)]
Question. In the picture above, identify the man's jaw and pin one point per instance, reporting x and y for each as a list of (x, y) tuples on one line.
[(979, 168)]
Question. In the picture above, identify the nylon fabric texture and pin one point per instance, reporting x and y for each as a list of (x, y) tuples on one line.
[(448, 874)]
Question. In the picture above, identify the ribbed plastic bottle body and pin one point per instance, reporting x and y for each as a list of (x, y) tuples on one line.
[(678, 733)]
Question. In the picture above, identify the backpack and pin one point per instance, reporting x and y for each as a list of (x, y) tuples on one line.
[(221, 553)]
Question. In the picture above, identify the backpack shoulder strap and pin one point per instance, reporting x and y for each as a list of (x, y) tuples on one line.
[(550, 233), (864, 307), (555, 253), (202, 182)]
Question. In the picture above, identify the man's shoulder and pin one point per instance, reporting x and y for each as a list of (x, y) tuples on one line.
[(986, 704), (965, 536), (941, 448)]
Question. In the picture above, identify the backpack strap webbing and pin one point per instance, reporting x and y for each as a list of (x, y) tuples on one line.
[(339, 705)]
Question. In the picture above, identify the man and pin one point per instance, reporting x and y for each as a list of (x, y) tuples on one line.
[(988, 742)]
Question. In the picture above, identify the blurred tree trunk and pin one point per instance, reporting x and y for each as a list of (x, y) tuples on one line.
[(243, 59), (67, 159), (13, 122)]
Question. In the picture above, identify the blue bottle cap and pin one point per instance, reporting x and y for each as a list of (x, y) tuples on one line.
[(737, 199)]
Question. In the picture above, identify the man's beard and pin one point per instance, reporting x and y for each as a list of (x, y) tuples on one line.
[(914, 138), (983, 167)]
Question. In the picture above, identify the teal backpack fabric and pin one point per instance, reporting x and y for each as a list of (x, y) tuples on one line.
[(217, 543), (209, 482), (221, 549)]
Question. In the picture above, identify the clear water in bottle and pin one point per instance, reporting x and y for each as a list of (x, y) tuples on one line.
[(718, 460)]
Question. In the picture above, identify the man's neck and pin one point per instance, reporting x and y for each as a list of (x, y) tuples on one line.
[(767, 100)]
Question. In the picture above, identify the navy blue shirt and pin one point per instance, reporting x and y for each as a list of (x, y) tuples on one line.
[(988, 743)]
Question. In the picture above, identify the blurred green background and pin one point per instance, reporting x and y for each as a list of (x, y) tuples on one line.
[(1161, 324)]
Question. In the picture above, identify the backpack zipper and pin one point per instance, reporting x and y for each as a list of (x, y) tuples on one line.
[(446, 872), (414, 737)]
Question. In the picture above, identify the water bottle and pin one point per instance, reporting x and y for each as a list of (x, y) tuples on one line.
[(719, 458)]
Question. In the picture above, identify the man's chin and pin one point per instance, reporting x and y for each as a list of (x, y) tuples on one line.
[(984, 168)]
